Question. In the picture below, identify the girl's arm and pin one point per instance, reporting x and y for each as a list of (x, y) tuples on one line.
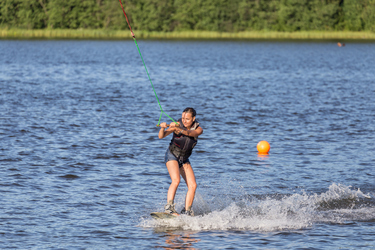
[(164, 133), (191, 133)]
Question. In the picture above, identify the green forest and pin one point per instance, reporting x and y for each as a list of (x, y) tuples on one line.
[(191, 15)]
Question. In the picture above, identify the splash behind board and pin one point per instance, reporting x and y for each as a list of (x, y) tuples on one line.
[(162, 215)]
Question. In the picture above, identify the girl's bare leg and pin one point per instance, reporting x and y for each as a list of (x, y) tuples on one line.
[(188, 174), (174, 173)]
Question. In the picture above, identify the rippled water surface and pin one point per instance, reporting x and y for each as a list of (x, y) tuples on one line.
[(82, 166)]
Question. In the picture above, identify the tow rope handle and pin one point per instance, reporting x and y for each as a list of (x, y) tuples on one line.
[(152, 85), (177, 125)]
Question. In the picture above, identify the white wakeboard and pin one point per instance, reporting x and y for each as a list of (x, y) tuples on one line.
[(162, 215)]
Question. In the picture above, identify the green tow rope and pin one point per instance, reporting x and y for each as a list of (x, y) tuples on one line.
[(152, 85)]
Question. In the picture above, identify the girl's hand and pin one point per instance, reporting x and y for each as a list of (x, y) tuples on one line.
[(173, 125), (177, 130), (163, 125)]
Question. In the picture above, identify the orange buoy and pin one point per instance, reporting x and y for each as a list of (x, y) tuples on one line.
[(339, 44), (263, 147)]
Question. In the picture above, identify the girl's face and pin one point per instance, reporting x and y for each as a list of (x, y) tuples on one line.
[(187, 119)]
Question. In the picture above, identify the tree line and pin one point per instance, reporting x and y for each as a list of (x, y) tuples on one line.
[(188, 15)]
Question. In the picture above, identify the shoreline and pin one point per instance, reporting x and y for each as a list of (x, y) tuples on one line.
[(184, 35)]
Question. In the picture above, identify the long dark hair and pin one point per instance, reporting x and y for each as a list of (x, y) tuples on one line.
[(191, 111)]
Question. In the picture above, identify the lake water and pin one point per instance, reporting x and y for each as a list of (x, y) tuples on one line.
[(82, 166)]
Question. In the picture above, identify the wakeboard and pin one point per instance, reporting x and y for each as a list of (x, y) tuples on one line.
[(162, 215)]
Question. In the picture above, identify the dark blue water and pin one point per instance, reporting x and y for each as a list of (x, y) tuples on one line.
[(82, 166)]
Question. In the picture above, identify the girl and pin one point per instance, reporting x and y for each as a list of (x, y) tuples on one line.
[(185, 137)]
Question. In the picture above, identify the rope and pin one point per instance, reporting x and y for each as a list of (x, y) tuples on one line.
[(152, 85)]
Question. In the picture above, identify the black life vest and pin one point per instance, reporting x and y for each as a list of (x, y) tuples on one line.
[(181, 146)]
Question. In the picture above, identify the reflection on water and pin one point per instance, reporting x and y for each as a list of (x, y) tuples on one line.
[(178, 240), (263, 157)]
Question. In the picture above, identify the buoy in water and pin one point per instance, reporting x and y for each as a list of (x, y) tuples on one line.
[(263, 147)]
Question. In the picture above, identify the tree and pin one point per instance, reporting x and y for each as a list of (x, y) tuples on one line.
[(181, 15), (112, 16), (368, 15), (31, 14), (8, 13), (152, 15), (352, 14), (325, 15)]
